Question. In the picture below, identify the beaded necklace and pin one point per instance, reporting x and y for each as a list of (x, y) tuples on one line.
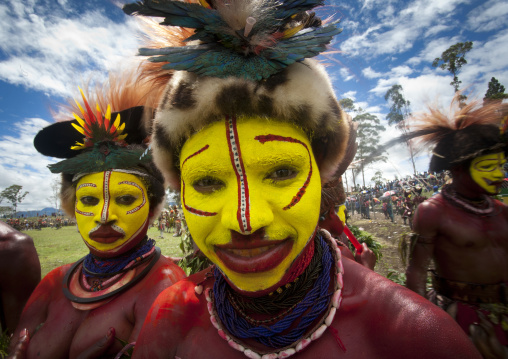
[(483, 207), (232, 324), (94, 266)]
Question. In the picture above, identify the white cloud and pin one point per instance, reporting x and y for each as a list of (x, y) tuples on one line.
[(490, 16), (345, 74), (399, 31), (21, 164), (349, 94), (370, 73), (51, 49)]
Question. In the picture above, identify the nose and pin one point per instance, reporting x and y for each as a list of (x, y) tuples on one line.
[(247, 214), (106, 215)]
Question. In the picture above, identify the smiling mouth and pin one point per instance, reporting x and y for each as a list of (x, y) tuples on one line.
[(492, 183), (260, 256)]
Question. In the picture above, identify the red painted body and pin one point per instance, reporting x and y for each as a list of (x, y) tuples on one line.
[(65, 332), (377, 319)]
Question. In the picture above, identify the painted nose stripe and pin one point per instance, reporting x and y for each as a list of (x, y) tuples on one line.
[(105, 192), (243, 212)]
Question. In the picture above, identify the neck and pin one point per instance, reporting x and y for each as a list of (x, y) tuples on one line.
[(471, 194)]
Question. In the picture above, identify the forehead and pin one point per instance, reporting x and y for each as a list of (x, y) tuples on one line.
[(491, 157), (218, 141), (114, 179)]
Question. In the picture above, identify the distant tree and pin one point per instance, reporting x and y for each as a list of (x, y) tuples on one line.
[(452, 60), (378, 178), (368, 138), (399, 112), (496, 91), (13, 195), (347, 105), (54, 197)]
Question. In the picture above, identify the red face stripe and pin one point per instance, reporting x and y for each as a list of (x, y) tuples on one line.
[(188, 208), (243, 212), (301, 191)]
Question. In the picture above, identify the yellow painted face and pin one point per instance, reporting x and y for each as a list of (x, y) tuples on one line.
[(251, 193), (487, 171), (112, 211)]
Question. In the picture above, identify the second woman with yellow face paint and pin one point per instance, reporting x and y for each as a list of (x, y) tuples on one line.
[(91, 307), (112, 212)]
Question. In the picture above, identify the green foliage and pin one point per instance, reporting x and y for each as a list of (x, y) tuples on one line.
[(496, 91), (452, 60), (396, 276), (399, 109), (5, 339), (378, 178), (13, 195), (347, 104), (399, 113), (191, 262), (365, 237)]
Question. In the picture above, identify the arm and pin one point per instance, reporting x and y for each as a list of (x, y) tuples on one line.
[(20, 272), (426, 224), (36, 310)]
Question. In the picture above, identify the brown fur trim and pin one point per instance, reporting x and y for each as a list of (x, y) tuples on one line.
[(301, 94)]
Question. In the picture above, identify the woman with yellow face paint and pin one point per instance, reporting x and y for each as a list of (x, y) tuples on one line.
[(249, 133), (463, 229), (91, 308)]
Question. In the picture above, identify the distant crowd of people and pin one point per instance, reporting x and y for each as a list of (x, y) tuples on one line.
[(398, 197)]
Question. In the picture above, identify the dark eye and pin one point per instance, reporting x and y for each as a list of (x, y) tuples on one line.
[(125, 200), (89, 200), (208, 185), (281, 174)]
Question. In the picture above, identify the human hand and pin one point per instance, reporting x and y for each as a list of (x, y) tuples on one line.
[(366, 257), (100, 347), (19, 351), (485, 339)]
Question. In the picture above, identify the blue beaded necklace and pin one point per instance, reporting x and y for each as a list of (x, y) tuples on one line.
[(315, 302)]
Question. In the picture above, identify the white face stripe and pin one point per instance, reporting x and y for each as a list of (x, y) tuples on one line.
[(105, 207), (243, 213), (142, 193), (86, 185)]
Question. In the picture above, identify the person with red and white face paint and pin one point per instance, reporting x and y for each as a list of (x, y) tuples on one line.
[(95, 307), (463, 229), (249, 133)]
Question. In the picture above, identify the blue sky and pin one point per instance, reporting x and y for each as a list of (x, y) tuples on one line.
[(49, 47)]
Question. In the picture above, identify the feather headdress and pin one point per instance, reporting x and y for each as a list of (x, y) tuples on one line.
[(250, 39), (465, 132), (97, 141), (246, 58)]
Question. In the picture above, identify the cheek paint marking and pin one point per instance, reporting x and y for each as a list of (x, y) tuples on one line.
[(243, 212), (301, 191), (89, 214), (142, 194), (105, 193), (188, 208)]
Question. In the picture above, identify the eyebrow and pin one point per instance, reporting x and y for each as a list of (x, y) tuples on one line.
[(86, 185)]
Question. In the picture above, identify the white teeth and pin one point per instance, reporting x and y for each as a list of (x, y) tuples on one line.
[(250, 252)]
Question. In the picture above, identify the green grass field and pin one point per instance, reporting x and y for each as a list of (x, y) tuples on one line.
[(62, 246)]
